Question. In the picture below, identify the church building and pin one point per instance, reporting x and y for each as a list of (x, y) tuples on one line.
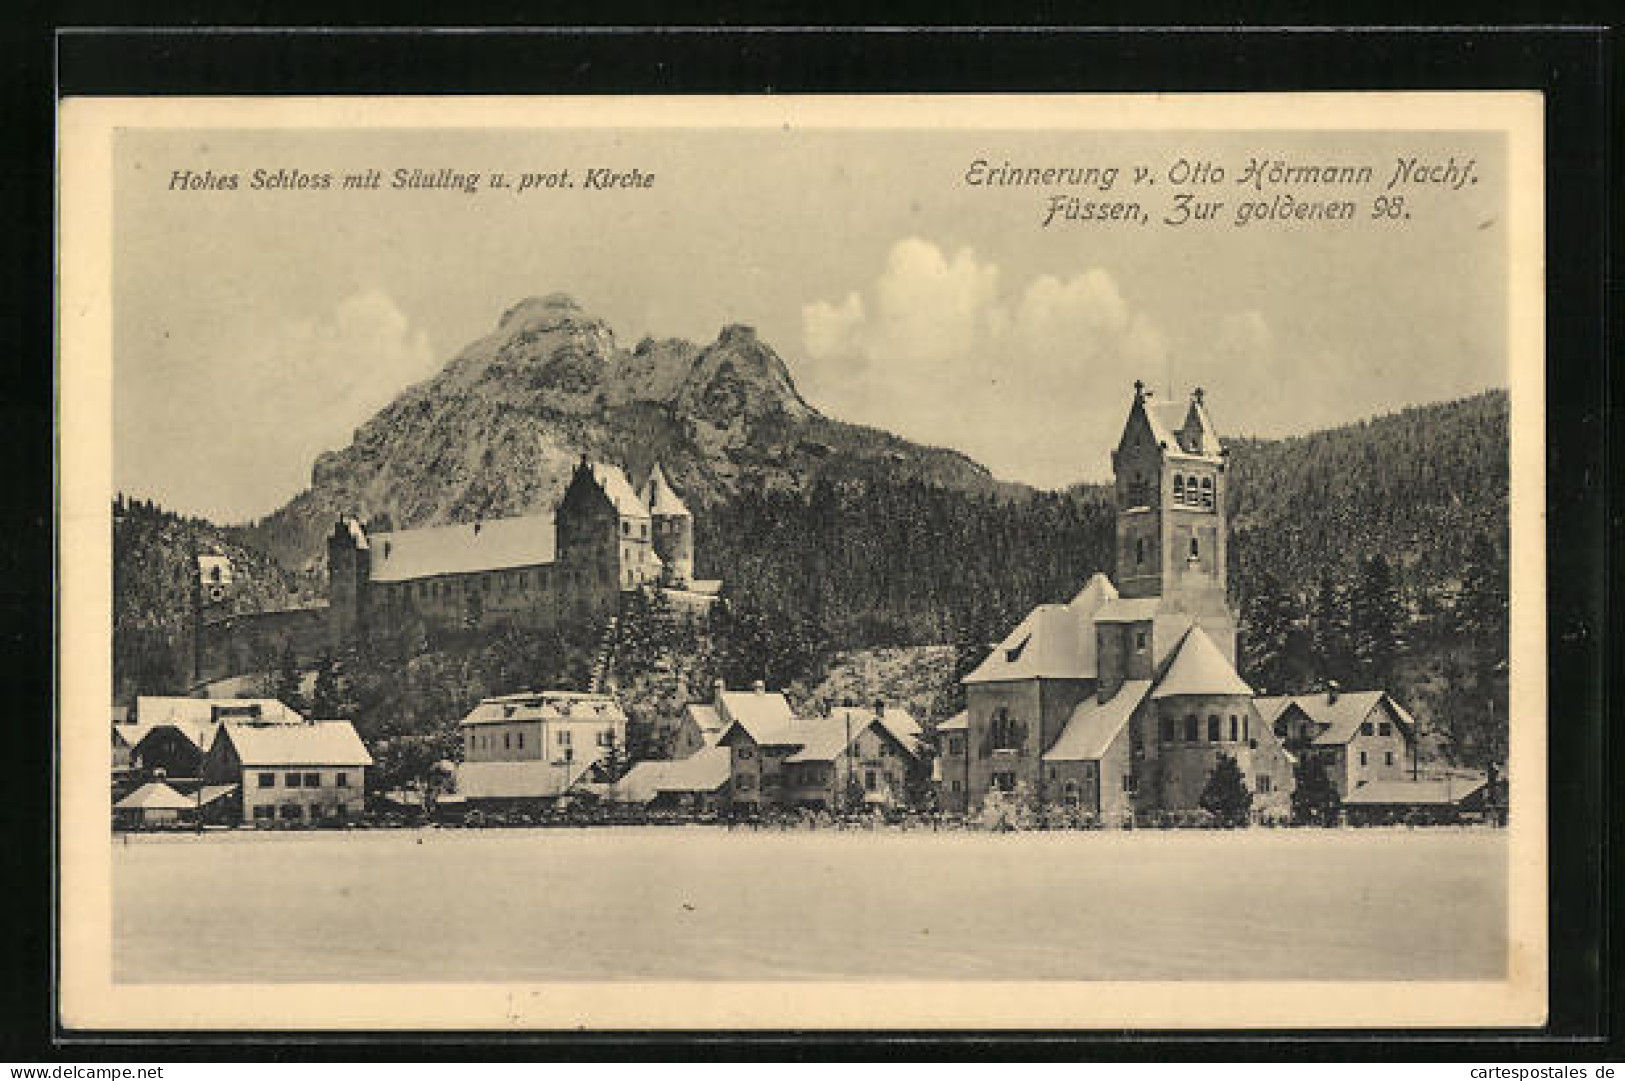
[(605, 538), (1121, 701)]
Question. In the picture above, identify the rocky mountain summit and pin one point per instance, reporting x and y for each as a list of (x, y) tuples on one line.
[(496, 432)]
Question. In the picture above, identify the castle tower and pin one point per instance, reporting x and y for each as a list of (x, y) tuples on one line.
[(211, 603), (349, 569), (673, 529), (1171, 521)]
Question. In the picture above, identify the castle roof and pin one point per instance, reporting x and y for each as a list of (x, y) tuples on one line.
[(1198, 667), (662, 497), (1093, 726), (614, 484), (1055, 641), (467, 548)]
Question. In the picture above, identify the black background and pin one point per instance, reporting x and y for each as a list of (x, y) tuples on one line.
[(58, 51)]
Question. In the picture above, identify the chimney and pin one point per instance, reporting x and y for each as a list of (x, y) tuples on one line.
[(1331, 691), (759, 687)]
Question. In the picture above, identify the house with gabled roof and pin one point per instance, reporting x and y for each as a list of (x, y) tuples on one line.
[(1121, 701), (1361, 737), (779, 760), (308, 773)]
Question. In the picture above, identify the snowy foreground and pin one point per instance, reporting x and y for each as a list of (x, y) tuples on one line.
[(704, 903)]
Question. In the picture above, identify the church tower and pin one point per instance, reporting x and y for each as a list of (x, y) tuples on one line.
[(1169, 472)]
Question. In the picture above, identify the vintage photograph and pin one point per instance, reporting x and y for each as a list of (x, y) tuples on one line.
[(685, 563)]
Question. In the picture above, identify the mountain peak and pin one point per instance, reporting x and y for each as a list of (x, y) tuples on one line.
[(553, 304)]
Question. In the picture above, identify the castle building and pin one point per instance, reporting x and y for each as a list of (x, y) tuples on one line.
[(1121, 701), (604, 539)]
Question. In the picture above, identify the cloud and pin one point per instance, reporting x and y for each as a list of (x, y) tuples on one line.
[(305, 385), (1020, 379)]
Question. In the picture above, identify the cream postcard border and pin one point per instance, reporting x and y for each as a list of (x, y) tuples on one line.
[(90, 1000)]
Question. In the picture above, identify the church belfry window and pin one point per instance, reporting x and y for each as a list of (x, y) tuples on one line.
[(1207, 493), (1179, 488), (1139, 551)]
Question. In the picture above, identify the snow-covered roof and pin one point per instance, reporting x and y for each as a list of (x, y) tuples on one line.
[(1436, 792), (765, 715), (612, 480), (1341, 717), (661, 497), (546, 706), (1055, 641), (466, 548), (959, 722), (1199, 668), (319, 743), (1093, 726), (161, 709), (155, 796), (526, 779), (898, 721), (1128, 610), (704, 771)]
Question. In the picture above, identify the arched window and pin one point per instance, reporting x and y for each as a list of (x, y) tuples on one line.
[(1207, 492), (1190, 728), (1179, 488), (1213, 728), (1235, 728)]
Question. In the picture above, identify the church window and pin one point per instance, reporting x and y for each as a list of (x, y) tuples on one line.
[(1196, 549), (1139, 551), (1190, 728), (1128, 783), (1207, 492), (1166, 730), (1213, 728), (1388, 758), (1179, 488), (1139, 641), (1235, 727)]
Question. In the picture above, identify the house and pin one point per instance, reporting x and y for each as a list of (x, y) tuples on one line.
[(698, 782), (1361, 737), (1433, 799), (172, 734), (153, 804), (1121, 700), (535, 745), (778, 760), (298, 773)]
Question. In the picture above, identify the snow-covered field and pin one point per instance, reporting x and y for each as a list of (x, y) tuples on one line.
[(704, 903)]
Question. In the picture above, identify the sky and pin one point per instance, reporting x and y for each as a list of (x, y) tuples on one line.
[(254, 329)]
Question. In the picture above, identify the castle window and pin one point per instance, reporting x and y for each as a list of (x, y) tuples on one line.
[(1207, 492), (1166, 730), (1263, 782), (1213, 728), (1190, 728)]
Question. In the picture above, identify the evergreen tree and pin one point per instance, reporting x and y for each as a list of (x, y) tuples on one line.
[(1329, 628), (325, 701), (1269, 619), (1314, 797), (613, 764), (1376, 622), (290, 680), (1225, 795)]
